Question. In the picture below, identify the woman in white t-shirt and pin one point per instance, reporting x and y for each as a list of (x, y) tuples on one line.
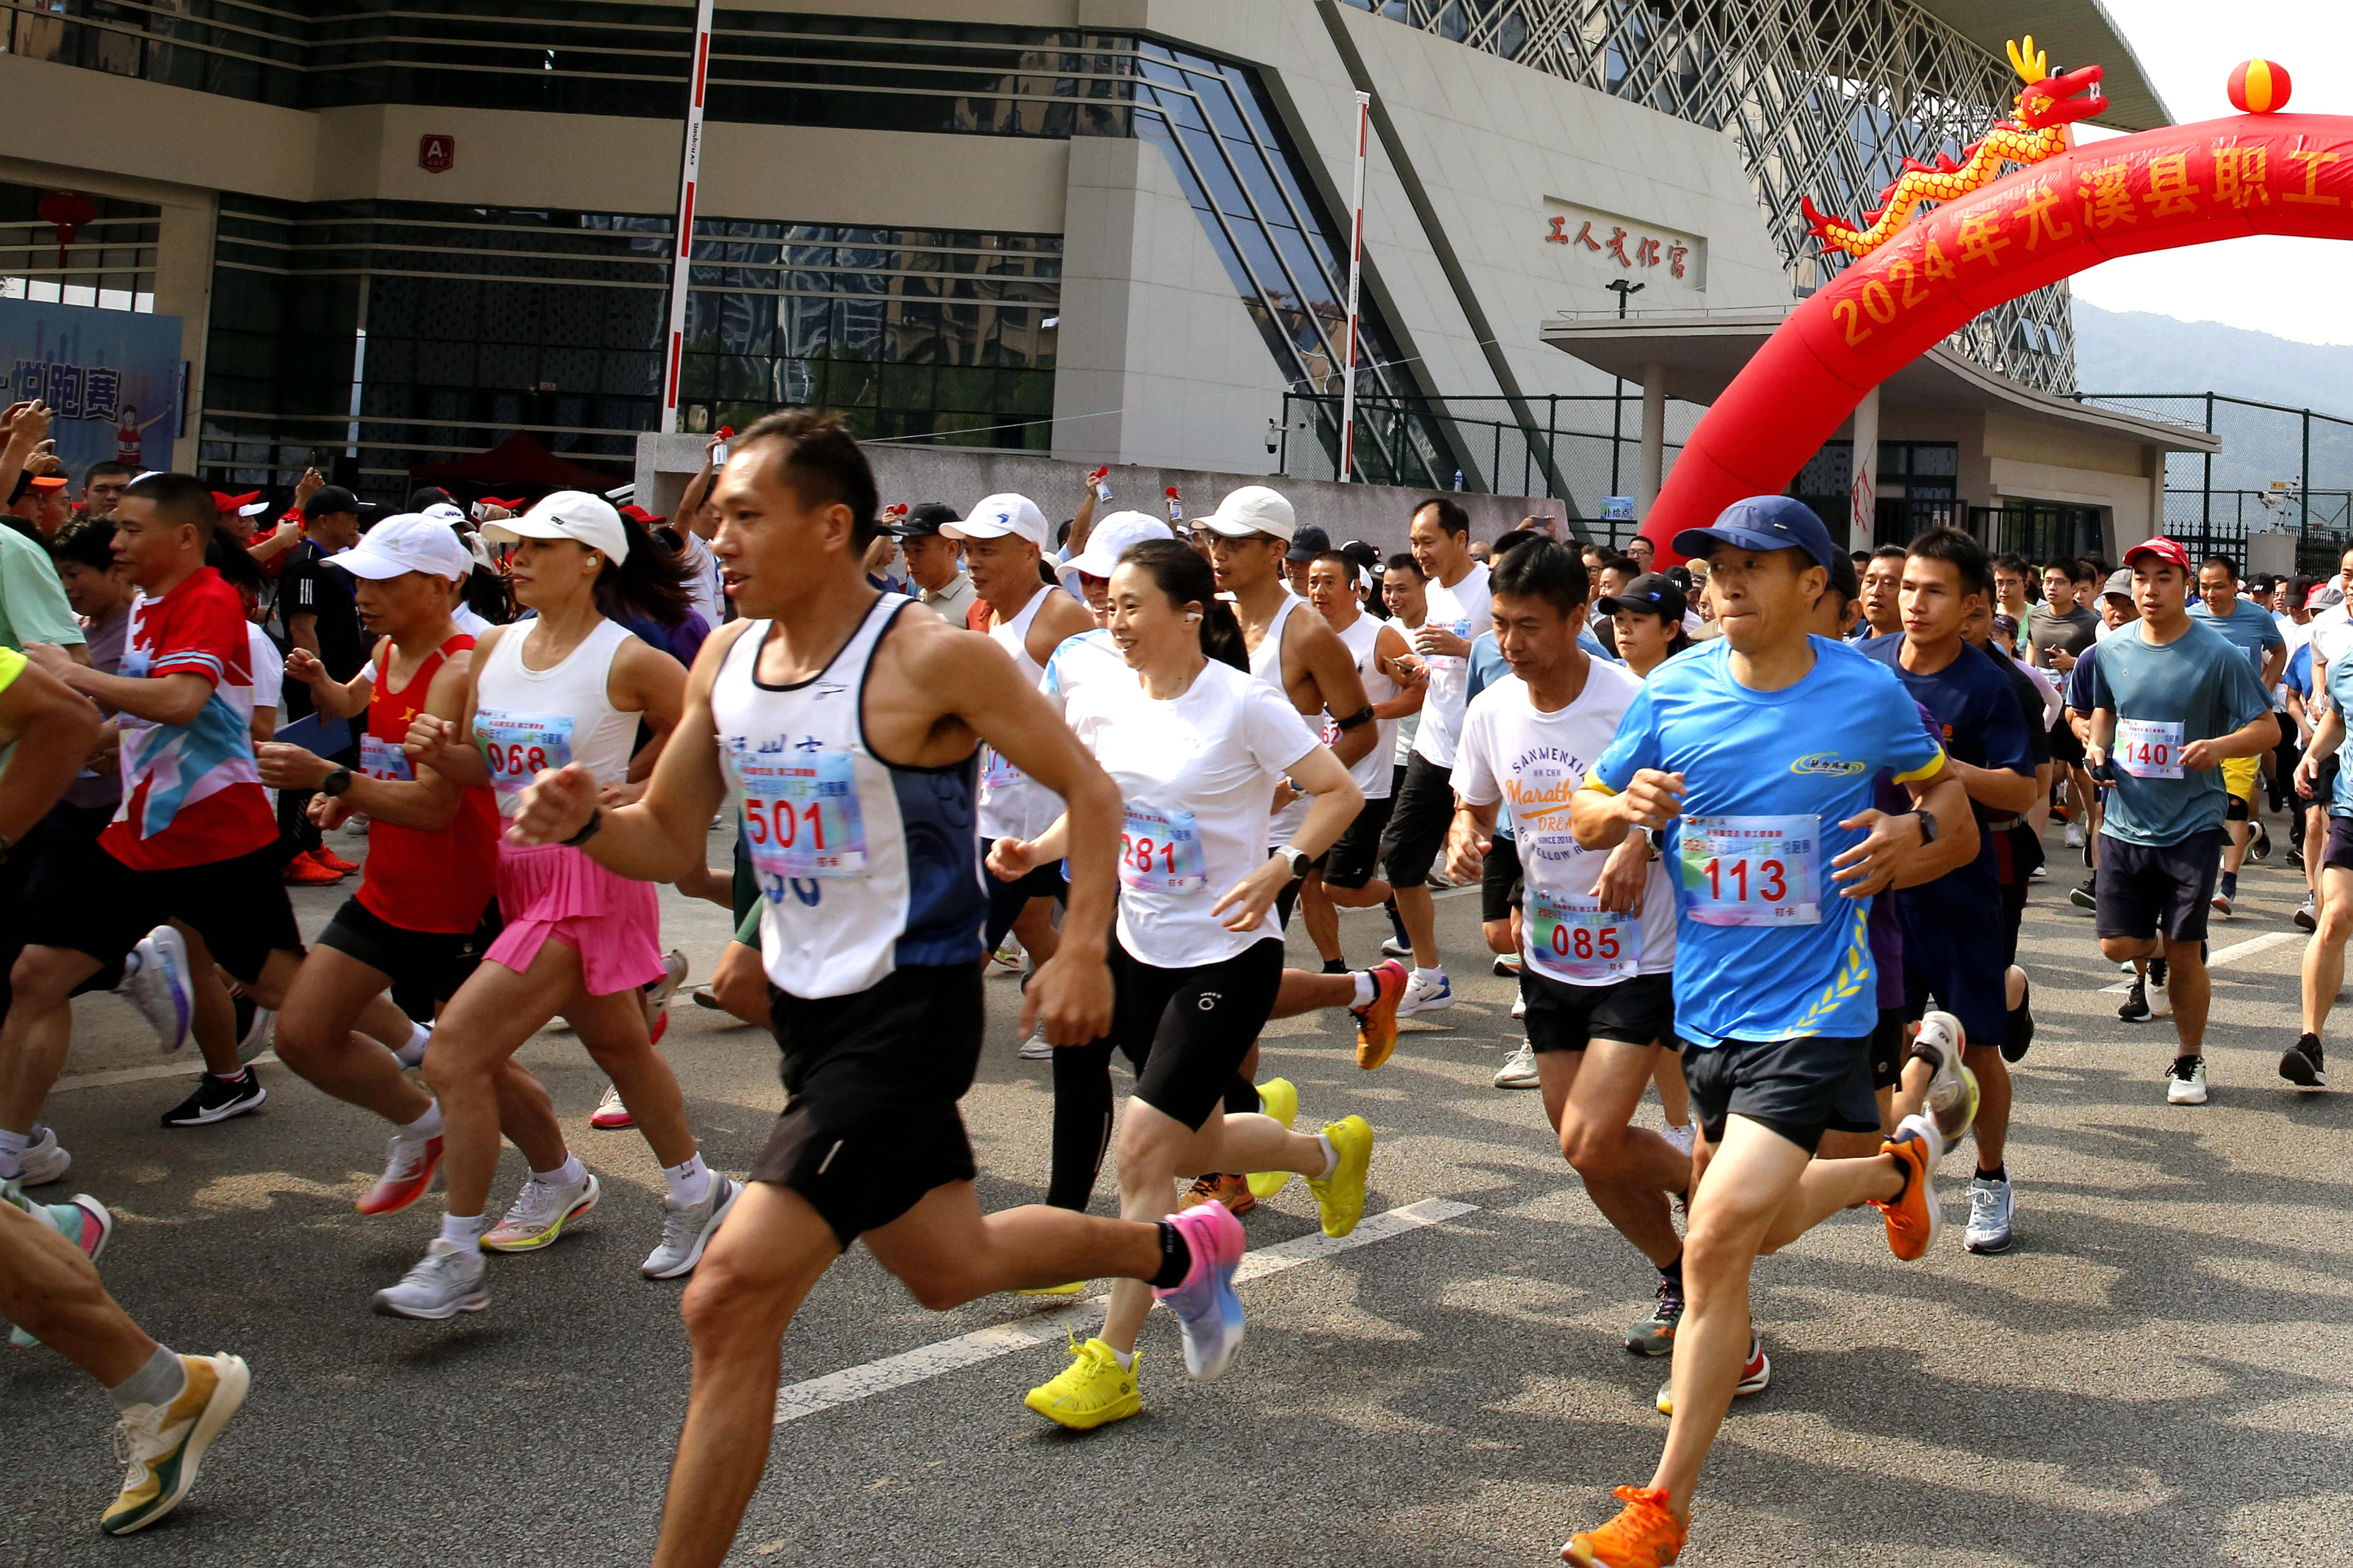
[(1197, 745)]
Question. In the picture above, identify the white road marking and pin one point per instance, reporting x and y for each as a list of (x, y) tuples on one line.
[(178, 1066), (1050, 1326), (2246, 949)]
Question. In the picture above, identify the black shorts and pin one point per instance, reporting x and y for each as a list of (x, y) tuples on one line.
[(1007, 899), (1188, 1030), (1887, 1051), (240, 908), (1959, 961), (1640, 1011), (429, 966), (1499, 879), (2340, 852), (1356, 855), (1419, 816), (2148, 889), (2323, 786), (2065, 749), (871, 1080), (1799, 1088)]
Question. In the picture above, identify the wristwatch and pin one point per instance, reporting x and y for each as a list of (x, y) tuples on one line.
[(587, 829), (1297, 859), (1927, 828), (335, 783)]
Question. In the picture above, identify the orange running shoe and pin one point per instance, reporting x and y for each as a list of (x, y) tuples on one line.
[(408, 1166), (332, 862), (1913, 1219), (1643, 1535), (1377, 1019), (1230, 1190), (303, 871)]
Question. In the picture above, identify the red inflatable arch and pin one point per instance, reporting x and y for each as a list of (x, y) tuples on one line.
[(2159, 190)]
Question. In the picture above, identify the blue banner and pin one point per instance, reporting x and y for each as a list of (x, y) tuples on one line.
[(111, 379)]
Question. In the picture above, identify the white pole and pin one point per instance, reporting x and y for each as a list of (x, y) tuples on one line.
[(689, 173), (1356, 271)]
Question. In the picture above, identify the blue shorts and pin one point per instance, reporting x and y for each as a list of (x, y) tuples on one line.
[(1963, 964)]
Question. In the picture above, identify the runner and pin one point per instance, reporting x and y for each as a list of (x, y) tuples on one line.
[(567, 687), (871, 941), (1454, 596), (2058, 630), (1195, 748), (424, 910), (2250, 629), (2172, 700), (1882, 585), (2329, 859), (1597, 930), (1754, 756)]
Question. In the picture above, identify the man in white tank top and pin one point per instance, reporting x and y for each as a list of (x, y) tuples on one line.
[(870, 1144)]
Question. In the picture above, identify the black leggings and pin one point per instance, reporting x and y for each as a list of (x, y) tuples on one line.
[(1185, 1032)]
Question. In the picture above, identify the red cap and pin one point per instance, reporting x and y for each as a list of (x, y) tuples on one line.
[(2165, 550), (640, 515), (226, 502)]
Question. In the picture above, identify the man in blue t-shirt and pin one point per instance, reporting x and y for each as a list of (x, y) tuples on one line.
[(1950, 945), (2254, 631), (2171, 702), (1750, 761)]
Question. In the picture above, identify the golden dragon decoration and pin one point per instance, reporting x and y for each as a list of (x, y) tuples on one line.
[(2047, 105)]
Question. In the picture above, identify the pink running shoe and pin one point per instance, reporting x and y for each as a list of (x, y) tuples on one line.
[(1206, 1303)]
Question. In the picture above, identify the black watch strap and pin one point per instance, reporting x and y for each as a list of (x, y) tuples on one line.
[(1927, 826), (335, 783), (587, 829)]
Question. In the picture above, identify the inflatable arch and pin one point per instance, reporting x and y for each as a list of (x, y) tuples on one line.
[(2159, 190)]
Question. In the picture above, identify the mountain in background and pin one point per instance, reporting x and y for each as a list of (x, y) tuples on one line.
[(2139, 353)]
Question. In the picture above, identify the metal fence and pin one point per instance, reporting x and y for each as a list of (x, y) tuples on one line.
[(2281, 470)]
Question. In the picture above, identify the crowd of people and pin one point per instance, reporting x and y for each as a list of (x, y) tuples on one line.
[(1754, 832)]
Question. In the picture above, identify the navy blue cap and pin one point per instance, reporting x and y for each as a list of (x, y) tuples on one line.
[(1653, 592), (1764, 523), (1307, 544)]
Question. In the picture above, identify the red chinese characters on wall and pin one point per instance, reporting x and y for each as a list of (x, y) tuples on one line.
[(1629, 249)]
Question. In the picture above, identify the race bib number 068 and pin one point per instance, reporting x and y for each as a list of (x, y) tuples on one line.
[(516, 746)]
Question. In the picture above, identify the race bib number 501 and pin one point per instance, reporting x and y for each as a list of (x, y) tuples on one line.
[(1752, 870), (801, 817)]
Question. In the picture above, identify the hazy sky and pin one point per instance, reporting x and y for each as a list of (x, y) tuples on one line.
[(2293, 288)]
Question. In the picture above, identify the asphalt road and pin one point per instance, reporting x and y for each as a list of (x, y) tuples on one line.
[(2160, 1372)]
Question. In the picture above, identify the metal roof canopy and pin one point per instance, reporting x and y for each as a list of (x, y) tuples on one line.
[(2074, 33), (1703, 352)]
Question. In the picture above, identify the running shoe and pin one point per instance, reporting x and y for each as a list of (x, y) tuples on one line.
[(1091, 1391), (260, 1034), (84, 1221), (409, 1167), (1396, 947), (1655, 1335), (1277, 1098), (2160, 997), (2300, 1063), (1990, 1203), (540, 1211), (1913, 1216), (2086, 895), (2039, 874), (1755, 1377), (706, 997), (308, 871), (2019, 1036), (1643, 1535), (1680, 1137), (2295, 859), (1519, 1070), (163, 1444), (1072, 1289), (413, 1054), (45, 1160), (610, 1114), (2307, 915), (1233, 1192), (658, 995), (156, 983), (1007, 955), (1951, 1102), (2185, 1081), (2220, 903), (445, 1281), (1377, 1020), (1340, 1192), (687, 1229), (334, 862), (1421, 997), (1037, 1048), (2262, 847), (1519, 1007), (1507, 965), (1205, 1302), (2074, 837), (2135, 1008), (217, 1099)]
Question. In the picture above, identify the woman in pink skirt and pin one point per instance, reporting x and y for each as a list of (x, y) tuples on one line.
[(569, 686)]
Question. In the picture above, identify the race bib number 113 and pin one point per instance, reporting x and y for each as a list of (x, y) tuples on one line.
[(1752, 870)]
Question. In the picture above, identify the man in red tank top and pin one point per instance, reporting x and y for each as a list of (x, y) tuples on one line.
[(424, 913)]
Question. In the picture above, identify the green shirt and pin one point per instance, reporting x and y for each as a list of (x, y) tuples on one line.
[(2198, 682), (33, 605)]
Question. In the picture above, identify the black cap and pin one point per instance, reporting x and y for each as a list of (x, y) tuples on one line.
[(1364, 555), (329, 499), (1653, 592), (924, 522), (1307, 542), (1843, 580), (431, 495)]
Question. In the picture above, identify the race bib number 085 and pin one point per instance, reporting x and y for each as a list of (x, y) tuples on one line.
[(1752, 870), (1573, 939)]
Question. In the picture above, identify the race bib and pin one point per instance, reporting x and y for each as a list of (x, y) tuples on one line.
[(517, 745), (1752, 870), (136, 662), (996, 772), (1573, 939), (381, 759), (2149, 748), (1461, 627), (1160, 852), (801, 816)]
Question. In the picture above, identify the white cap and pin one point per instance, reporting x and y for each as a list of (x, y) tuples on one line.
[(995, 517), (253, 508), (442, 512), (409, 543), (568, 514), (1253, 508), (1111, 539)]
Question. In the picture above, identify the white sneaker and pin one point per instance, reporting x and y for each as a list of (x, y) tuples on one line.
[(1507, 964), (1519, 1070), (157, 984), (260, 1034), (1393, 948), (1519, 1007), (446, 1280), (540, 1213), (45, 1160), (656, 995), (688, 1229), (1036, 1049), (1007, 955), (1422, 998), (1990, 1206), (2074, 837), (2160, 992), (1680, 1137), (2185, 1081), (415, 1058)]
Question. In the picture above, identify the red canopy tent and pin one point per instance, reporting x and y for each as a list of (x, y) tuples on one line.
[(520, 462)]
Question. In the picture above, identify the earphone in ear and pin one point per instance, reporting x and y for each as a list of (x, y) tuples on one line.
[(1195, 616)]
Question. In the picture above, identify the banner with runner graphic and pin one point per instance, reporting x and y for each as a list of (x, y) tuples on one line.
[(111, 378)]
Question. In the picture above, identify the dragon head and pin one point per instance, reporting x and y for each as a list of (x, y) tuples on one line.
[(2049, 99)]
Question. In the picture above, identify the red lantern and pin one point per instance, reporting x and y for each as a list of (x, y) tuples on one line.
[(2258, 86), (69, 210)]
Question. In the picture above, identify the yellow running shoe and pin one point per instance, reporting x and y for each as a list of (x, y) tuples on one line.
[(1340, 1194), (1072, 1289), (1090, 1392), (164, 1444), (1277, 1098)]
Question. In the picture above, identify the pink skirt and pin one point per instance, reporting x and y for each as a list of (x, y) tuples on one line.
[(613, 922)]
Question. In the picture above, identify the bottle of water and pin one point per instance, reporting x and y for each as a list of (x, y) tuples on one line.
[(1458, 479)]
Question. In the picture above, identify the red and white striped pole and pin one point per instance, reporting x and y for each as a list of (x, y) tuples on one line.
[(1355, 268), (689, 173)]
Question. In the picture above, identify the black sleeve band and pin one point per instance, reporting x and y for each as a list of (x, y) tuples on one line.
[(1361, 716)]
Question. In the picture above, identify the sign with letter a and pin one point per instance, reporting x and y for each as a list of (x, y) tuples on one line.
[(436, 154)]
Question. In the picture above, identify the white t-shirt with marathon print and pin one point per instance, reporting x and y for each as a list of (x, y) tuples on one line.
[(1462, 610)]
